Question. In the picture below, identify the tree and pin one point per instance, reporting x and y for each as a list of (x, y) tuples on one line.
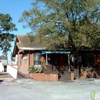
[(2, 57), (6, 27), (67, 23)]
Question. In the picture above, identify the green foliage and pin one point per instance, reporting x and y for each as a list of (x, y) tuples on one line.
[(6, 27), (35, 69), (72, 23), (88, 69)]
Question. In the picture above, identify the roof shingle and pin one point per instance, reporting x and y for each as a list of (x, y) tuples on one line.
[(25, 41)]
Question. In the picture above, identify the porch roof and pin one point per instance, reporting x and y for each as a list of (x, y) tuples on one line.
[(55, 52)]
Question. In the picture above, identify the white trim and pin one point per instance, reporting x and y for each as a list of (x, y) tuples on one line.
[(37, 65), (20, 51), (46, 59), (29, 48)]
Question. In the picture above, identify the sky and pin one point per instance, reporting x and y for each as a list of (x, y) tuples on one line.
[(15, 8)]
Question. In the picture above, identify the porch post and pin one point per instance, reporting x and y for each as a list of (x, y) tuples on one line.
[(69, 62), (46, 59)]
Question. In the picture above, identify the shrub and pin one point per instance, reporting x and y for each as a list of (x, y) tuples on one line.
[(35, 69), (88, 69)]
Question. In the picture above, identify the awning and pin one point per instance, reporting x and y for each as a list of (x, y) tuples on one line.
[(55, 52)]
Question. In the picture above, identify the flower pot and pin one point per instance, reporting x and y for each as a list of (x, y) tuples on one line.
[(84, 74)]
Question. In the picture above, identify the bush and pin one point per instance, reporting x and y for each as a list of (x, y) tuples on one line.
[(88, 69), (35, 69)]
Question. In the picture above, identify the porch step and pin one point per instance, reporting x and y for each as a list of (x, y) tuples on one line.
[(22, 76), (65, 76), (4, 75)]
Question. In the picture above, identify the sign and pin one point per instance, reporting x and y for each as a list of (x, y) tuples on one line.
[(55, 52)]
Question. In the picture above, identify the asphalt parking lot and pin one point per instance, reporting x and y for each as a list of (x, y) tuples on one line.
[(29, 89)]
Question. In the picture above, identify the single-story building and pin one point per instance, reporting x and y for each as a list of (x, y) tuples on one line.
[(34, 52)]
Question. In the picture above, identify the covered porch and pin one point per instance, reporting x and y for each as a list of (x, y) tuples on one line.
[(58, 59)]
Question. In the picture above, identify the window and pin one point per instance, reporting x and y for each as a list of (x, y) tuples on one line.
[(88, 60), (25, 56), (37, 59)]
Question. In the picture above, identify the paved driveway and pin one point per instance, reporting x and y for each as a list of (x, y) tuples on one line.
[(28, 89)]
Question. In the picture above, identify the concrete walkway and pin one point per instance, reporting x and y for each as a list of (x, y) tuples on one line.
[(29, 89), (4, 75)]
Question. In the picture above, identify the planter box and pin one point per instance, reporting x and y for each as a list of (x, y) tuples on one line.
[(54, 77), (44, 77), (47, 77), (38, 76), (31, 75)]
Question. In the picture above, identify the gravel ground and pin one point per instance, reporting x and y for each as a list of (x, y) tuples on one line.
[(28, 89)]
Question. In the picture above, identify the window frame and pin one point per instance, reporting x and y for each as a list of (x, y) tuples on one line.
[(37, 58)]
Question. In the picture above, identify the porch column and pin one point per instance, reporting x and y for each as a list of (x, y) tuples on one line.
[(69, 62), (46, 59)]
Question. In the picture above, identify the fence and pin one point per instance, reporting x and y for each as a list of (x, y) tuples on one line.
[(12, 70)]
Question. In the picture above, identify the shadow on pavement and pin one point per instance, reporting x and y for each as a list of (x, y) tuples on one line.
[(1, 80)]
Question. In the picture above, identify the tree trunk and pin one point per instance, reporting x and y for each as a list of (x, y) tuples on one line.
[(76, 64)]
